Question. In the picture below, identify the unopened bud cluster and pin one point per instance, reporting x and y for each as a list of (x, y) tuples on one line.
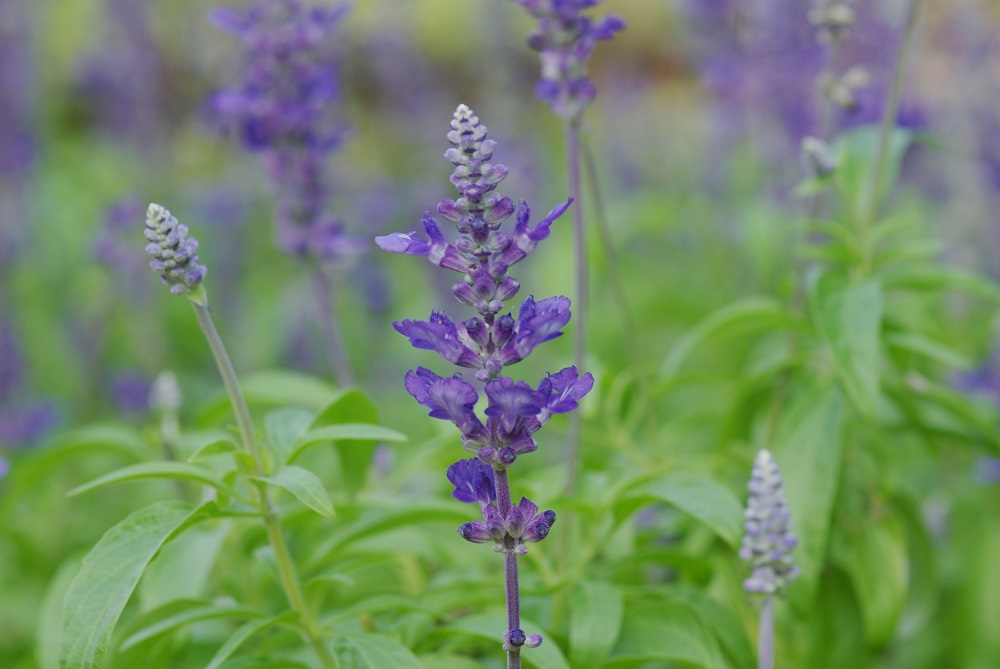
[(174, 253), (768, 541)]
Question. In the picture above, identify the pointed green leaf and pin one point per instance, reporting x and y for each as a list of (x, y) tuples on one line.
[(239, 637), (179, 471), (372, 651), (187, 617), (214, 447), (109, 574), (353, 408), (305, 485), (880, 571), (596, 612), (282, 427), (183, 568), (808, 451), (699, 495), (491, 626), (749, 315), (353, 432), (664, 631), (849, 318)]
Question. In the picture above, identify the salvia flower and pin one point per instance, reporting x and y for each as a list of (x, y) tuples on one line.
[(565, 39), (174, 253), (768, 541), (486, 343)]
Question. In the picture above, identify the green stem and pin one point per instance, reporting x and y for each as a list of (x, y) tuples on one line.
[(889, 117), (282, 556), (581, 299), (765, 635), (334, 340)]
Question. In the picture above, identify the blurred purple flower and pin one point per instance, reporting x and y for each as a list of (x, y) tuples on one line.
[(284, 109), (130, 392), (114, 247), (120, 84), (23, 425), (11, 362), (565, 40)]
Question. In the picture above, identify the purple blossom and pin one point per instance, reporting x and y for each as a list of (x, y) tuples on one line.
[(474, 481), (174, 253), (448, 399), (768, 540), (537, 323), (562, 391), (130, 392), (440, 334), (565, 40)]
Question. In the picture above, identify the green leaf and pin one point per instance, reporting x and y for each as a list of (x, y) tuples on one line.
[(879, 570), (244, 632), (214, 447), (934, 278), (282, 427), (372, 651), (596, 612), (158, 470), (187, 617), (664, 631), (272, 388), (710, 502), (355, 451), (305, 485), (490, 626), (350, 432), (447, 661), (856, 150), (725, 625), (749, 315), (849, 318), (918, 344), (808, 451), (109, 574), (183, 568), (48, 631)]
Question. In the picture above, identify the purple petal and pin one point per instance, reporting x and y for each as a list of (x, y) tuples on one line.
[(397, 242)]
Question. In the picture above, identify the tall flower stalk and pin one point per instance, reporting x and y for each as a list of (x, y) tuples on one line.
[(565, 39), (282, 110), (175, 259), (767, 547), (487, 343)]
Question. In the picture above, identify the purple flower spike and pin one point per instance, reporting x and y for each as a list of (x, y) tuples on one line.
[(173, 252), (768, 542), (440, 334), (448, 399), (474, 481)]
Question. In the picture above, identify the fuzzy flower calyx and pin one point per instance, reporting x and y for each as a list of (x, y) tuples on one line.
[(768, 541), (174, 253)]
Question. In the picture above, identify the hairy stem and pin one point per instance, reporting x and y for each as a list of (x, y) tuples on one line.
[(765, 635), (282, 556), (334, 341), (581, 299), (511, 587)]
